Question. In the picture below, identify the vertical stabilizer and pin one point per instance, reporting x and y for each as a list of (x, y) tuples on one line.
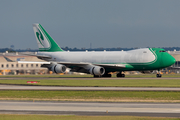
[(44, 40)]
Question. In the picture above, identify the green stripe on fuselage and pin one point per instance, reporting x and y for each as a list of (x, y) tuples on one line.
[(162, 60)]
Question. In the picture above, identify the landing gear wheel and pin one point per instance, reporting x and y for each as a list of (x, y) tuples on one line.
[(96, 76), (106, 75), (158, 75), (120, 75)]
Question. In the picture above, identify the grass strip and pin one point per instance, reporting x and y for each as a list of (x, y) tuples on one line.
[(71, 117), (91, 95), (101, 82)]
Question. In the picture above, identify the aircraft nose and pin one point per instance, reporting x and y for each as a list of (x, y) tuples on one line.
[(170, 60), (173, 60)]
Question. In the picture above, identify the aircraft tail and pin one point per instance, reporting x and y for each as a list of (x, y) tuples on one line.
[(44, 40)]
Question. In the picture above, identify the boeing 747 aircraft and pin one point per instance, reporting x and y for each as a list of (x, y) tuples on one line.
[(99, 64)]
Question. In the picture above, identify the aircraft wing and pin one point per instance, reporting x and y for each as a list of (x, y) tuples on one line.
[(84, 67), (78, 67), (81, 64)]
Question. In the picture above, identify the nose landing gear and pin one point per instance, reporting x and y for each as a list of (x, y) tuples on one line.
[(158, 75)]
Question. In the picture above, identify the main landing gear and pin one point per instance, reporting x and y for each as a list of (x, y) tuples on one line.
[(106, 75), (120, 75), (158, 75), (109, 75)]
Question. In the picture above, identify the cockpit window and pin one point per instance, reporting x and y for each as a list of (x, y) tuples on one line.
[(162, 51)]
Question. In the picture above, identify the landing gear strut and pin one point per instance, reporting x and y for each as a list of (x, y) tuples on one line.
[(158, 74), (120, 75)]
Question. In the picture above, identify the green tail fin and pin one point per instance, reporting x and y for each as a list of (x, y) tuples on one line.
[(44, 40)]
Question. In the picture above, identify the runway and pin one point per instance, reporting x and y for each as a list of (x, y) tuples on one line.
[(91, 108), (23, 87)]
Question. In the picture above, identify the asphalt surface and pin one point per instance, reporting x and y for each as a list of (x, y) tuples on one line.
[(21, 87), (91, 108)]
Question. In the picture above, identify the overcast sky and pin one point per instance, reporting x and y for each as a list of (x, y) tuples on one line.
[(103, 23)]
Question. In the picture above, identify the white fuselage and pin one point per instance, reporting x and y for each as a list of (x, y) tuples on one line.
[(143, 55)]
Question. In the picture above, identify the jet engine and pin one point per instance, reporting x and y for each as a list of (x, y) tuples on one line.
[(97, 70), (58, 68)]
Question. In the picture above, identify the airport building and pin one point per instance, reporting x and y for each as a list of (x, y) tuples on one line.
[(7, 68), (15, 68)]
